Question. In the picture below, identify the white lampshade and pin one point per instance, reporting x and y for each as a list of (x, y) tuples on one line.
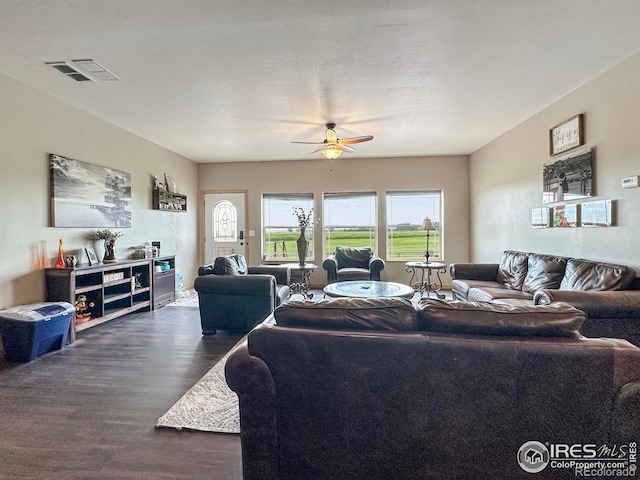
[(331, 152), (427, 225)]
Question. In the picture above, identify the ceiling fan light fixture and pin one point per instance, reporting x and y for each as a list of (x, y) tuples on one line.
[(331, 152)]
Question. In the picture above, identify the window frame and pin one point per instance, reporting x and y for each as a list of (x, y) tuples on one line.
[(303, 200), (327, 247), (436, 244)]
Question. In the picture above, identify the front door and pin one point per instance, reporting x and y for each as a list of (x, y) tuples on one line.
[(224, 224)]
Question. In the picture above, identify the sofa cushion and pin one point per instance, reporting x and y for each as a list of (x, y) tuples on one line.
[(512, 269), (543, 271), (460, 287), (587, 275), (230, 265), (387, 313), (556, 320), (489, 294), (350, 257)]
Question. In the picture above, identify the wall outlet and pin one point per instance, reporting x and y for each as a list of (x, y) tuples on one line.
[(630, 182)]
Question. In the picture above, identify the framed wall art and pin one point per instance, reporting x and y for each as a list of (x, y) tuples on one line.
[(566, 135), (596, 214), (88, 195), (540, 217), (568, 178), (565, 216)]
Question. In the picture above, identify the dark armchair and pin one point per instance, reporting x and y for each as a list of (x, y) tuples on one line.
[(349, 263), (233, 296)]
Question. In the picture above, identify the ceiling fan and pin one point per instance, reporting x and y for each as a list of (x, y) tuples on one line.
[(333, 146)]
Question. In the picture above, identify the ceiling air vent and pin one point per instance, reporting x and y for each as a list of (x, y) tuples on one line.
[(85, 70)]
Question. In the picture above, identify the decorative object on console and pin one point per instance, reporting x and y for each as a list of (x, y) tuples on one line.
[(427, 225), (109, 237), (101, 196), (568, 178), (70, 261), (83, 313), (61, 263), (304, 220), (566, 135)]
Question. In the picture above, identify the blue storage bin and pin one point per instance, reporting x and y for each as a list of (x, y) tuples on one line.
[(32, 330)]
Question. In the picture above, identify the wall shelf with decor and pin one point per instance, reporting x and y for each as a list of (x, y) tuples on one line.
[(168, 201), (108, 290)]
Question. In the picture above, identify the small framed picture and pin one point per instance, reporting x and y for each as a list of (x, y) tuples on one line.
[(540, 217), (91, 255), (170, 182)]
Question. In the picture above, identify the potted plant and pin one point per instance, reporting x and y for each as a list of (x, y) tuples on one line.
[(109, 238)]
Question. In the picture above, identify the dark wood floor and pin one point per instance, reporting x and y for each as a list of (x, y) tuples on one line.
[(89, 410)]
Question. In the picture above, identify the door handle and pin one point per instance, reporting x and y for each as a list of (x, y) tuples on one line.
[(241, 235)]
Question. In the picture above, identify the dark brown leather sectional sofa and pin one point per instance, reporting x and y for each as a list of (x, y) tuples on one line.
[(609, 294), (381, 389)]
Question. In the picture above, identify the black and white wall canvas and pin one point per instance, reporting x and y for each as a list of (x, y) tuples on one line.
[(88, 195), (568, 178)]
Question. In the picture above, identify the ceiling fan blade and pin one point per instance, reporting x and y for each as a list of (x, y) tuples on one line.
[(346, 148), (318, 150), (311, 143), (349, 141)]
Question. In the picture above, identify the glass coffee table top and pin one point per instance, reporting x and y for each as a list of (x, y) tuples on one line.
[(365, 289)]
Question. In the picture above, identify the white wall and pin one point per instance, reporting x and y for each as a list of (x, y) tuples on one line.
[(449, 174), (506, 175), (33, 125)]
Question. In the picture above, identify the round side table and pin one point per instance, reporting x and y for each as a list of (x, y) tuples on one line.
[(427, 285)]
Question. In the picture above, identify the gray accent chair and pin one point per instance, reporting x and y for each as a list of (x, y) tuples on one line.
[(351, 263)]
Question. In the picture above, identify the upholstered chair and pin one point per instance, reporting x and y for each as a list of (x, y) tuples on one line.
[(233, 296), (351, 263)]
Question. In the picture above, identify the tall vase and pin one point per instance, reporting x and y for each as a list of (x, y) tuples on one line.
[(109, 252), (302, 244)]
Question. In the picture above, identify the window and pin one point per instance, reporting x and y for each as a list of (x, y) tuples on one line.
[(225, 222), (405, 213), (280, 226), (349, 219)]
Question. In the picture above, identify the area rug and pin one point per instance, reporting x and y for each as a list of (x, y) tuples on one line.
[(189, 298), (209, 406)]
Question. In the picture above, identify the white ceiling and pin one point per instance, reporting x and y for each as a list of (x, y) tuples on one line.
[(237, 80)]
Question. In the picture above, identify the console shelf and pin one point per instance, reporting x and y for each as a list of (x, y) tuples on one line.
[(114, 290)]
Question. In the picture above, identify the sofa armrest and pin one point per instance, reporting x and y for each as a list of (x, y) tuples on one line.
[(625, 421), (596, 304), (282, 274), (376, 265), (474, 271), (205, 269), (251, 379)]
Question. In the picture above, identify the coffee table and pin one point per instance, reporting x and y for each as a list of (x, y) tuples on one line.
[(366, 289)]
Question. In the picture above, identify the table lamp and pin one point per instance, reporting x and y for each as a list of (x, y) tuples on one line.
[(428, 226)]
